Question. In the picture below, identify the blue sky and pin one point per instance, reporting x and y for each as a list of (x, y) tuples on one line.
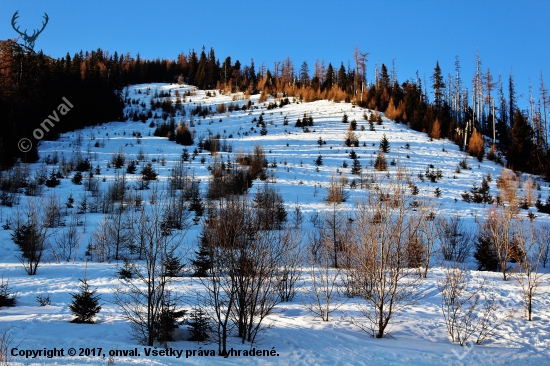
[(416, 33)]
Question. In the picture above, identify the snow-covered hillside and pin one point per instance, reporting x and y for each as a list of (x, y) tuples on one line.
[(417, 336)]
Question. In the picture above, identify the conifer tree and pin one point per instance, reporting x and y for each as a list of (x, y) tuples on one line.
[(356, 167), (485, 255), (345, 118), (85, 305), (148, 173), (319, 160), (198, 325), (438, 86), (203, 261), (521, 145), (384, 144)]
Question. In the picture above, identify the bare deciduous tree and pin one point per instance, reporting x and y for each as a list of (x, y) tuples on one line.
[(30, 234), (68, 242), (147, 301), (386, 223), (499, 229), (528, 239), (244, 281), (325, 278)]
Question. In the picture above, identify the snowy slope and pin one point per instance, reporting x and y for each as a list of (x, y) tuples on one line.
[(418, 335)]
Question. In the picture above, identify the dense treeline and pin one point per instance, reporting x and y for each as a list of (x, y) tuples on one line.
[(32, 85)]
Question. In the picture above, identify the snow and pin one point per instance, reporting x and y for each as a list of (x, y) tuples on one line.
[(417, 336)]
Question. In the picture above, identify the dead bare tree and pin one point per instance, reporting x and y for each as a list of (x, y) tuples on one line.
[(458, 304)]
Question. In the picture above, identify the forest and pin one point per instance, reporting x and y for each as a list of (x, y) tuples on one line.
[(31, 84)]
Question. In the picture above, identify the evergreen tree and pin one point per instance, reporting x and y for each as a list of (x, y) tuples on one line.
[(85, 305), (485, 255), (329, 78), (384, 144), (521, 145), (168, 319), (183, 135), (319, 161), (7, 297), (185, 155), (511, 99), (356, 167), (131, 168), (148, 173), (203, 261), (438, 86), (345, 118), (199, 325), (342, 77)]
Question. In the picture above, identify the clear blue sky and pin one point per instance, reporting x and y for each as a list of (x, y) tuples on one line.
[(416, 33)]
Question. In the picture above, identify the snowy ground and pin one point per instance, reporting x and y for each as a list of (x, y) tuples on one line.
[(418, 335)]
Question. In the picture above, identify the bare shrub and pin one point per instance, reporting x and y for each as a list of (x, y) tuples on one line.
[(6, 346), (456, 240), (289, 272), (499, 230), (469, 310), (67, 242)]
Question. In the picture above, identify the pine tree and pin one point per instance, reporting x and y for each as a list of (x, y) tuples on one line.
[(168, 319), (198, 325), (345, 118), (203, 261), (185, 155), (131, 168), (148, 173), (521, 145), (356, 167), (319, 160), (485, 255), (384, 144), (438, 86), (183, 135), (85, 305)]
